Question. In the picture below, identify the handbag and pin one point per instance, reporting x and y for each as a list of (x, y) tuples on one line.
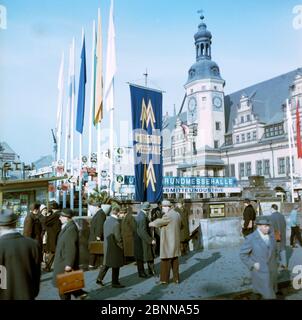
[(70, 281), (96, 247)]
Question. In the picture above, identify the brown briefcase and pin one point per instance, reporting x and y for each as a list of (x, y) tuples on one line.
[(96, 247), (70, 281)]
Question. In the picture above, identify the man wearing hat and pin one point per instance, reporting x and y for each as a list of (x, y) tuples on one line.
[(97, 233), (52, 227), (21, 258), (113, 248), (185, 230), (169, 225), (67, 251), (143, 242), (260, 254)]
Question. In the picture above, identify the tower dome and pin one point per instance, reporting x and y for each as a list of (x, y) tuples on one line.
[(204, 68)]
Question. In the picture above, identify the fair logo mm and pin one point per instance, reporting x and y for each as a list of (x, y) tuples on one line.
[(297, 280), (3, 278), (3, 17)]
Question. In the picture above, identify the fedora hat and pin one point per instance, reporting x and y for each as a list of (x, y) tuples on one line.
[(166, 203), (7, 217), (262, 220), (68, 213), (146, 206)]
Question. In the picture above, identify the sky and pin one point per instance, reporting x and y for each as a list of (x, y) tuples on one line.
[(253, 41)]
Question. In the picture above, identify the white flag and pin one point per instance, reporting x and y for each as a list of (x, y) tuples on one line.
[(110, 63), (60, 106)]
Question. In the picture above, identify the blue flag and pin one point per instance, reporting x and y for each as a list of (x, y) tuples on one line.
[(82, 92), (146, 107)]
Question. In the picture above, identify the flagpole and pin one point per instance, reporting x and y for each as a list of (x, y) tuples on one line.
[(91, 118), (80, 176), (290, 138), (72, 122), (59, 116), (111, 142), (67, 124), (81, 113), (109, 92), (99, 154)]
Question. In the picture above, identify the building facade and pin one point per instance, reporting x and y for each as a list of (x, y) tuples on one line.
[(238, 135)]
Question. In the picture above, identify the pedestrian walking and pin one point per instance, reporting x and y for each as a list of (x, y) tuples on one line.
[(249, 216), (21, 257), (169, 225), (32, 227), (156, 213), (97, 234), (260, 254), (278, 224), (185, 230), (67, 252), (113, 249), (128, 226), (295, 227), (53, 228), (144, 242)]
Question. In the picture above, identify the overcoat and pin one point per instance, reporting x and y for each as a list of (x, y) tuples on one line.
[(143, 238), (67, 250), (253, 250), (21, 258), (113, 243), (169, 225)]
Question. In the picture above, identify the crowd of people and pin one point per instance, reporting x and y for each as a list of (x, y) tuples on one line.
[(51, 242)]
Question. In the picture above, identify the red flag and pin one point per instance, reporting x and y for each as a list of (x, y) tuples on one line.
[(299, 142)]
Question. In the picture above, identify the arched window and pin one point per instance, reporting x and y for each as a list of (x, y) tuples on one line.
[(202, 49)]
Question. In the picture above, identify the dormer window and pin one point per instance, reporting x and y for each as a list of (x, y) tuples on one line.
[(248, 118)]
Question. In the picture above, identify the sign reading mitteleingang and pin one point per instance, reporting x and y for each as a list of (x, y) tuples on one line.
[(195, 184)]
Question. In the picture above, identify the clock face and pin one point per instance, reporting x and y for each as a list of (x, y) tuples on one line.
[(192, 108), (217, 102)]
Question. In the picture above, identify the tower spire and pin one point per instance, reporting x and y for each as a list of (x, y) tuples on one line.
[(203, 40)]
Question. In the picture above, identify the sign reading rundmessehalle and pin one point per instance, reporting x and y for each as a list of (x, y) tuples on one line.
[(146, 107)]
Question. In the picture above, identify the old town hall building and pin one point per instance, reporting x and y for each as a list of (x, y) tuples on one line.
[(239, 135)]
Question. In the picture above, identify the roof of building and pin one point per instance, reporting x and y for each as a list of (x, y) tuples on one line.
[(267, 99)]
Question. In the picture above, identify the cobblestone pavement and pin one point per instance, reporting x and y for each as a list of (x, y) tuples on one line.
[(210, 274)]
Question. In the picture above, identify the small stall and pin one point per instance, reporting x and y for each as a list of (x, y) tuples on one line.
[(19, 194)]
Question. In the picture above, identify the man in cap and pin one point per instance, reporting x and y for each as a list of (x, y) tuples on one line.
[(67, 251), (113, 248), (169, 225), (97, 233), (143, 242), (20, 257), (260, 254)]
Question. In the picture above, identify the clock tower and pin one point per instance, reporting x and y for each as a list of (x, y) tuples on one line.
[(205, 93)]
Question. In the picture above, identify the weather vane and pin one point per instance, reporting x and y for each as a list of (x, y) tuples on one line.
[(201, 12)]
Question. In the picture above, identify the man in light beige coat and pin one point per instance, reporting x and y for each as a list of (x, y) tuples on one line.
[(170, 225)]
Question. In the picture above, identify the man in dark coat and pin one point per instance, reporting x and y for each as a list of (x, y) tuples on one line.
[(156, 213), (143, 242), (32, 225), (67, 251), (96, 234), (185, 230), (259, 253), (21, 258), (113, 249), (249, 217), (53, 227), (278, 224)]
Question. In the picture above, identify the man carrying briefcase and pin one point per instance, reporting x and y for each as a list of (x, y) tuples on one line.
[(67, 257)]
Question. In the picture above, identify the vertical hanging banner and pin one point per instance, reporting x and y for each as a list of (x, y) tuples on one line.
[(146, 105)]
